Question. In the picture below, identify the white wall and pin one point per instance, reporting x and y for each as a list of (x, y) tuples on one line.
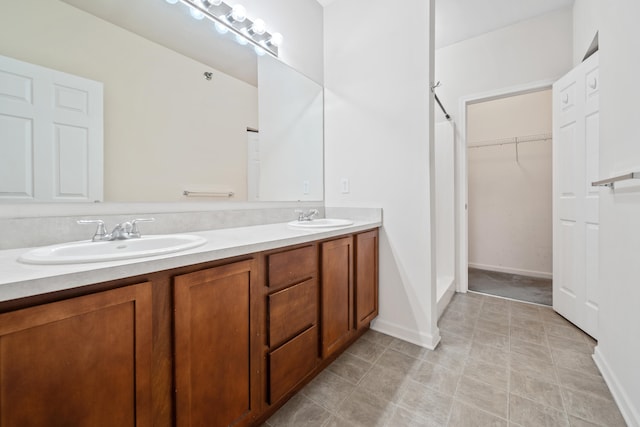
[(300, 22), (618, 348), (167, 129), (291, 133), (445, 203), (510, 213), (529, 51), (585, 26), (377, 123)]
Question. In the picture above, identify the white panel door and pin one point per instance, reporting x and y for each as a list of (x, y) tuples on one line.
[(575, 222), (51, 135)]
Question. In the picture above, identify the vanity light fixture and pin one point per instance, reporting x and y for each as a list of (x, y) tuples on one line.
[(234, 19)]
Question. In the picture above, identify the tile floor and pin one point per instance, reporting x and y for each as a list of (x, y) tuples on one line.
[(500, 363)]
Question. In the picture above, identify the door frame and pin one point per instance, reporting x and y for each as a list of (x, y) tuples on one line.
[(462, 172)]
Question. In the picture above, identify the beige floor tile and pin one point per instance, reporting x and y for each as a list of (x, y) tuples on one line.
[(437, 377), (426, 402), (495, 375), (491, 339), (383, 383), (534, 368), (328, 390), (592, 408), (581, 381), (538, 391), (452, 342), (366, 350), (300, 411), (535, 336), (489, 354), (336, 421), (378, 338), (408, 348), (453, 360), (493, 327), (528, 323), (569, 344), (405, 418), (350, 367), (527, 413), (540, 374), (483, 396), (456, 328), (398, 362), (495, 316), (568, 332), (365, 410), (574, 360), (463, 415), (530, 349), (578, 422)]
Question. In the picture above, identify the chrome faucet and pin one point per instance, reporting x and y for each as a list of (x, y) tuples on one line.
[(122, 231), (302, 216)]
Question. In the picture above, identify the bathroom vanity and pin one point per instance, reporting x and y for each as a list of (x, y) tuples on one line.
[(217, 336)]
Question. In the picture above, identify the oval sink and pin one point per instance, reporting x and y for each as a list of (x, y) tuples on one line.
[(321, 223), (88, 251)]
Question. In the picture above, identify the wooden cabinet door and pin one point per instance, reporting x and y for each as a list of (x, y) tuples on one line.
[(366, 278), (336, 293), (85, 361), (216, 346)]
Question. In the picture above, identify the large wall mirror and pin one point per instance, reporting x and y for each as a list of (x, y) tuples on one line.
[(181, 102)]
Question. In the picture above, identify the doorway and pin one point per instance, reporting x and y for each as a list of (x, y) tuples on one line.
[(504, 160)]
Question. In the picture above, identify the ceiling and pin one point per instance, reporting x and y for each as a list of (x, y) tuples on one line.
[(458, 20)]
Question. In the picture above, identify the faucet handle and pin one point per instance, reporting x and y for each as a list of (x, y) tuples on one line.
[(100, 233), (134, 229)]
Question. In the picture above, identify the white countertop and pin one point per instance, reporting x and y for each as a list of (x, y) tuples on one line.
[(18, 280)]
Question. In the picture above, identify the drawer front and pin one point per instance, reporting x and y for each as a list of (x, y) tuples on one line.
[(289, 267), (289, 364), (292, 310)]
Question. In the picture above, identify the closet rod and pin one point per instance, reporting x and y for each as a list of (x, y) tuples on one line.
[(512, 140)]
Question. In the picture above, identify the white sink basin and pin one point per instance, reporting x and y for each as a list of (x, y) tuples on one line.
[(88, 251), (321, 223)]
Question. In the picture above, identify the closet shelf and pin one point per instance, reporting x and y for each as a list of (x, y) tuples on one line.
[(512, 140)]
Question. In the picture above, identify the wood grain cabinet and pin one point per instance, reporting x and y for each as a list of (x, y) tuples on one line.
[(349, 288), (292, 318), (217, 341), (366, 278), (223, 343), (84, 361), (337, 294)]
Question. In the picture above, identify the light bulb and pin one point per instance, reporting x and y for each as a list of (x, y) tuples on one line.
[(195, 13), (258, 27), (241, 40), (276, 39), (221, 28), (172, 1), (259, 51), (209, 3), (238, 13)]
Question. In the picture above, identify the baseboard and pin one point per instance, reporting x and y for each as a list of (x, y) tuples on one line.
[(415, 337), (501, 269), (446, 290), (624, 402)]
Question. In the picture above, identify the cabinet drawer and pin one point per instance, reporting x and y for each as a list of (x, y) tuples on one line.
[(289, 267), (292, 310), (289, 364)]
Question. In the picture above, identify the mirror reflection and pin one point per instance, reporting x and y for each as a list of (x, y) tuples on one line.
[(172, 120)]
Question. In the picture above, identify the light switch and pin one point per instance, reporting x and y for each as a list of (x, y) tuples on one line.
[(344, 185), (305, 187)]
